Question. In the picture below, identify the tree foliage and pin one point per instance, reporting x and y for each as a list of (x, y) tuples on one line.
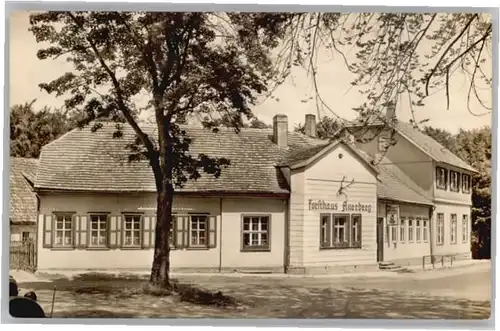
[(392, 55), (179, 65), (30, 129)]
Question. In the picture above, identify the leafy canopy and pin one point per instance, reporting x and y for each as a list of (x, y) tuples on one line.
[(30, 129), (175, 65)]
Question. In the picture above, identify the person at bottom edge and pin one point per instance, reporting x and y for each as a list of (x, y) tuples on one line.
[(23, 307)]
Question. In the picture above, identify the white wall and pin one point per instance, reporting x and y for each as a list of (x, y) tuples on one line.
[(321, 180), (404, 249), (231, 257), (460, 247)]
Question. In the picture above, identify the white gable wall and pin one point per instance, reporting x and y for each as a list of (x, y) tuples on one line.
[(321, 181)]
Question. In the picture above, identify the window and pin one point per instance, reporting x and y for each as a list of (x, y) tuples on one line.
[(465, 183), (25, 236), (394, 233), (63, 230), (440, 229), (402, 230), (454, 181), (340, 227), (453, 229), (383, 142), (325, 236), (256, 233), (465, 228), (198, 231), (426, 230), (410, 230), (441, 178), (132, 231), (98, 230), (340, 231), (356, 230), (419, 230)]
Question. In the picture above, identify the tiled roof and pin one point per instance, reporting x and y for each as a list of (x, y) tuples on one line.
[(428, 145), (94, 161), (394, 184), (22, 198), (303, 153)]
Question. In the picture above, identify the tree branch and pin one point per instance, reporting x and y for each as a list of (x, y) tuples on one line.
[(126, 112), (433, 71), (145, 52)]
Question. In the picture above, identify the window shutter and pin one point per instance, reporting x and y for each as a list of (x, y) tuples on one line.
[(212, 228), (180, 232), (77, 223), (114, 231), (47, 230), (152, 236), (146, 231)]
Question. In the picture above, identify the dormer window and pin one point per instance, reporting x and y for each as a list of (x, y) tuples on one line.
[(454, 181), (441, 178), (383, 142), (465, 183)]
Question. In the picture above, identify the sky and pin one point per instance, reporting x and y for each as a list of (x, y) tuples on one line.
[(26, 72)]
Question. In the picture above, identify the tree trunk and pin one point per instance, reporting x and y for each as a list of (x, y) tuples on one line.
[(161, 261)]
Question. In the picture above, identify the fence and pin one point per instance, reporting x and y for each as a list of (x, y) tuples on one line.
[(22, 255), (438, 259)]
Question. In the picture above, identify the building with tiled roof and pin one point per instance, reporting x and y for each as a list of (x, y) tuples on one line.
[(22, 198), (287, 202)]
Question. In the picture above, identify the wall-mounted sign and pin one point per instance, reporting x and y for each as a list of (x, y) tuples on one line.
[(342, 207), (392, 214), (173, 208)]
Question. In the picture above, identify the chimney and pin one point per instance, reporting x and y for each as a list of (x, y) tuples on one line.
[(310, 126), (280, 130), (390, 113)]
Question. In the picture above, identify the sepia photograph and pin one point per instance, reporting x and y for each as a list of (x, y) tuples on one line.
[(257, 165)]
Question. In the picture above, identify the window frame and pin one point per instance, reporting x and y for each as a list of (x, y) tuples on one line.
[(383, 142), (28, 238), (453, 229), (359, 231), (124, 230), (190, 229), (55, 216), (259, 232), (90, 230), (440, 229), (411, 226), (466, 179), (402, 229), (418, 229), (439, 176), (454, 175), (348, 231), (465, 234), (425, 230)]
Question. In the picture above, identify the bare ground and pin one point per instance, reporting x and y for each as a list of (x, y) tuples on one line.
[(437, 294)]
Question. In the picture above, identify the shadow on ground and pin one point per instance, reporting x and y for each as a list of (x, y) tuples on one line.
[(108, 296)]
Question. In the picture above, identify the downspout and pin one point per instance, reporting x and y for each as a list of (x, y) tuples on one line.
[(431, 232), (286, 259), (220, 236)]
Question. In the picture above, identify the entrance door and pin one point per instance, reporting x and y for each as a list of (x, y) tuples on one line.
[(380, 239)]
